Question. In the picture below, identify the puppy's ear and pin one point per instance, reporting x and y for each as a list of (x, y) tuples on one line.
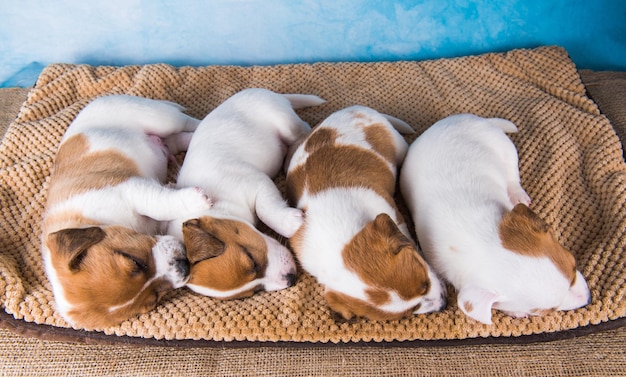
[(383, 224), (523, 217), (73, 243), (476, 303), (522, 231), (199, 243)]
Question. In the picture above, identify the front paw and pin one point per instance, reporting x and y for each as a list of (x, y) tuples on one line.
[(194, 199)]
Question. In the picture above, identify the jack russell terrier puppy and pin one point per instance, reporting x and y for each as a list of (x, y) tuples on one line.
[(235, 151), (105, 206), (461, 181), (354, 239)]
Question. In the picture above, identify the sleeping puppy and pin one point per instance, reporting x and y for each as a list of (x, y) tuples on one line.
[(461, 182), (234, 153), (106, 202), (354, 240)]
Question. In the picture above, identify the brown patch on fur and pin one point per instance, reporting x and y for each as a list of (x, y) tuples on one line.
[(384, 258), (468, 306), (101, 268), (77, 170), (295, 184), (348, 307), (525, 233), (333, 166), (321, 137), (378, 296), (377, 135), (224, 254), (358, 115)]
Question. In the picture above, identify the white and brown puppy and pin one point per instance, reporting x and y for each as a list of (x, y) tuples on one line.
[(233, 154), (105, 204), (354, 240), (461, 182)]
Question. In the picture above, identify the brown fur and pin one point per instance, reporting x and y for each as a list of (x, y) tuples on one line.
[(104, 168), (384, 258), (378, 137), (348, 307), (224, 254), (100, 268), (525, 233)]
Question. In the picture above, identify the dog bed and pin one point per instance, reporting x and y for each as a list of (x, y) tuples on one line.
[(570, 162)]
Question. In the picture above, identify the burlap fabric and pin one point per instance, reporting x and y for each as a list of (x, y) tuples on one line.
[(570, 160)]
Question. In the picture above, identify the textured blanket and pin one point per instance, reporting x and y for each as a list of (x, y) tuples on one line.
[(570, 162)]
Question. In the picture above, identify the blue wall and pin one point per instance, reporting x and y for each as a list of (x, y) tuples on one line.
[(34, 33)]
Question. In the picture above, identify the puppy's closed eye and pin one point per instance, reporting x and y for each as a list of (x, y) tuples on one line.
[(256, 267), (139, 267)]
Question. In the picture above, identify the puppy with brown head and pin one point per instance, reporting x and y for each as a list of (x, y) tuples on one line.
[(354, 240), (105, 206), (234, 154)]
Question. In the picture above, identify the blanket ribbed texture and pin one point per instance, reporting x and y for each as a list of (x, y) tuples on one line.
[(570, 162)]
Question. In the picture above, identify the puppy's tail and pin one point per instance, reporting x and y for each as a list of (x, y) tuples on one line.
[(299, 101), (504, 125), (400, 125)]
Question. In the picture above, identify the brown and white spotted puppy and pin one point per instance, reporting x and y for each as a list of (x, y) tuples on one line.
[(105, 205), (354, 240), (461, 182)]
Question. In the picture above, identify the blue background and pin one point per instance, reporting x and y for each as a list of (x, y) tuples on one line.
[(34, 33)]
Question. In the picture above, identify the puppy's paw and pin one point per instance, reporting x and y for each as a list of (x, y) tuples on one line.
[(292, 220), (517, 195), (194, 199)]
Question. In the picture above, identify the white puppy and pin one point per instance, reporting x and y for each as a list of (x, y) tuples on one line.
[(233, 156), (105, 205), (461, 182)]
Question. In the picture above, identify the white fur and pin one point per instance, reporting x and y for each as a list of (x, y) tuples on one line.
[(458, 179), (234, 154)]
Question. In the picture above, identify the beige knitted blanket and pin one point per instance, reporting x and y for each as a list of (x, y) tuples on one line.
[(570, 160)]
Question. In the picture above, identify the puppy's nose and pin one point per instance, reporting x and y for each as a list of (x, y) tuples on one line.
[(182, 267), (291, 279)]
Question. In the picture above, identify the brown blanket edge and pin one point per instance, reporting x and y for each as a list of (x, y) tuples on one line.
[(59, 334)]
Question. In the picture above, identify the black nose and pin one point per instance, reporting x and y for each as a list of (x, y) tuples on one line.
[(182, 267), (291, 279)]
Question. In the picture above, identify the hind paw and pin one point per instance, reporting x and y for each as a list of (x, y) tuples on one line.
[(517, 195), (292, 219)]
